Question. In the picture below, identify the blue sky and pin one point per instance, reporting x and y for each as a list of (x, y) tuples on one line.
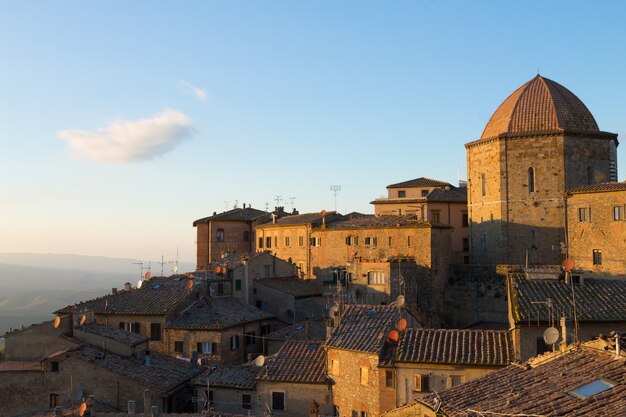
[(249, 100)]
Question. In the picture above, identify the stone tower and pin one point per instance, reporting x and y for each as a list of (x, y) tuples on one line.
[(541, 141)]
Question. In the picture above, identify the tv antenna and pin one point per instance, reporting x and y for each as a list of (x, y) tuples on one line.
[(141, 268), (175, 268), (291, 199), (278, 199), (225, 205), (335, 189)]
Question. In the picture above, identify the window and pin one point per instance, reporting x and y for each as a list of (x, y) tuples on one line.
[(238, 285), (389, 379), (371, 241), (408, 241), (246, 401), (287, 241), (355, 413), (363, 375), (483, 184), (155, 332), (352, 240), (275, 241), (531, 180), (363, 413), (424, 193), (178, 346), (316, 241), (54, 366), (278, 401), (250, 338), (266, 271), (597, 257), (435, 217), (300, 240), (466, 244), (465, 219), (542, 347), (54, 400), (130, 327), (220, 288), (234, 342), (584, 214), (401, 194), (205, 348), (265, 329), (389, 241), (618, 213), (268, 242), (334, 367), (376, 278), (260, 243), (457, 380), (592, 388), (422, 383), (246, 236), (220, 235)]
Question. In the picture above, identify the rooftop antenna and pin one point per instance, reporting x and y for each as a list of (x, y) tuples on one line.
[(175, 269), (225, 205), (291, 199), (278, 199), (335, 189), (140, 263), (236, 204), (267, 206), (162, 263)]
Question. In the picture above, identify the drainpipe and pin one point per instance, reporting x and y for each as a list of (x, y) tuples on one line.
[(209, 257), (246, 291)]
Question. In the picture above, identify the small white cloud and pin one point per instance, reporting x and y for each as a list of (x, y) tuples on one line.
[(128, 141), (189, 88)]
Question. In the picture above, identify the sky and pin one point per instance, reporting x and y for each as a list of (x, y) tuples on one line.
[(123, 122)]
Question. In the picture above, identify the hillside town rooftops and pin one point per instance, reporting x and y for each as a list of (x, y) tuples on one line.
[(237, 376), (216, 314), (452, 346), (597, 300), (236, 214), (579, 382), (297, 361), (599, 188), (312, 219), (119, 335), (420, 183), (313, 329), (373, 222)]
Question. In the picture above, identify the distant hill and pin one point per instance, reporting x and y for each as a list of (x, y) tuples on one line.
[(32, 286)]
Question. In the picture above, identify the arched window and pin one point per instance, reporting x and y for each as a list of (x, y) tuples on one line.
[(483, 184), (531, 180), (220, 235)]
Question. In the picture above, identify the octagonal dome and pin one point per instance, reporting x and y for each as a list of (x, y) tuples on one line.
[(540, 105)]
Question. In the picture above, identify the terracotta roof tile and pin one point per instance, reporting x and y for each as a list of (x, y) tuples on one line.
[(238, 214), (238, 376), (297, 361), (420, 182), (314, 329), (216, 314), (451, 346), (293, 286), (540, 105), (597, 300), (371, 221), (600, 187), (122, 336)]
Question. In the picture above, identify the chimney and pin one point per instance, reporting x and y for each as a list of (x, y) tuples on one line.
[(131, 407), (127, 286), (273, 218), (563, 334), (114, 291), (147, 402), (244, 205), (147, 360)]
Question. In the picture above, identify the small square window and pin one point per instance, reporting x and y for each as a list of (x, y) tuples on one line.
[(618, 213), (465, 220), (363, 375), (54, 366), (234, 342), (401, 194), (278, 401), (237, 285), (246, 401), (178, 346), (422, 383), (155, 332), (584, 214), (597, 257), (389, 379)]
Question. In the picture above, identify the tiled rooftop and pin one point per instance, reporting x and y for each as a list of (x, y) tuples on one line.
[(372, 221), (601, 187), (451, 346), (238, 376), (314, 219), (364, 328), (122, 336), (293, 286), (297, 361), (241, 214), (419, 183), (597, 300), (540, 105), (314, 329), (217, 313), (156, 297), (453, 195), (541, 390), (164, 373)]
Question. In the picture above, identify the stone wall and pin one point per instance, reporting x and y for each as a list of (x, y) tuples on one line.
[(298, 398), (38, 341), (209, 248)]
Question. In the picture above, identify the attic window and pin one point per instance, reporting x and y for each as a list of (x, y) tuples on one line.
[(593, 388)]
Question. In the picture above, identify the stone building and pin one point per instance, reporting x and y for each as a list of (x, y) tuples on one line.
[(144, 310), (536, 304), (540, 142), (433, 360), (230, 231), (435, 201), (284, 298), (313, 330), (217, 330), (596, 229)]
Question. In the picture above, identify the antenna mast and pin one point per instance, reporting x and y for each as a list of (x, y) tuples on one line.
[(278, 199), (335, 189), (291, 199)]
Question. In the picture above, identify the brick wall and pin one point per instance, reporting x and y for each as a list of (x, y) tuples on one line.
[(209, 248)]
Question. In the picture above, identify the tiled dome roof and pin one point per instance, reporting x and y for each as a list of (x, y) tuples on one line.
[(540, 105)]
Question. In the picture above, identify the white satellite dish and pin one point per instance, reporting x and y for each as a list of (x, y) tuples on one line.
[(174, 269), (551, 335), (400, 300), (139, 284), (259, 361)]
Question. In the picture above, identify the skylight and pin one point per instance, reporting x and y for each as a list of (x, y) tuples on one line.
[(592, 388)]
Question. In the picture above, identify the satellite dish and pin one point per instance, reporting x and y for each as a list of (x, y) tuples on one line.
[(402, 323), (568, 264), (551, 335), (259, 361), (147, 276), (175, 269), (139, 284), (79, 395), (218, 269), (393, 336), (82, 409), (83, 319), (400, 300), (57, 322), (323, 213), (190, 284)]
